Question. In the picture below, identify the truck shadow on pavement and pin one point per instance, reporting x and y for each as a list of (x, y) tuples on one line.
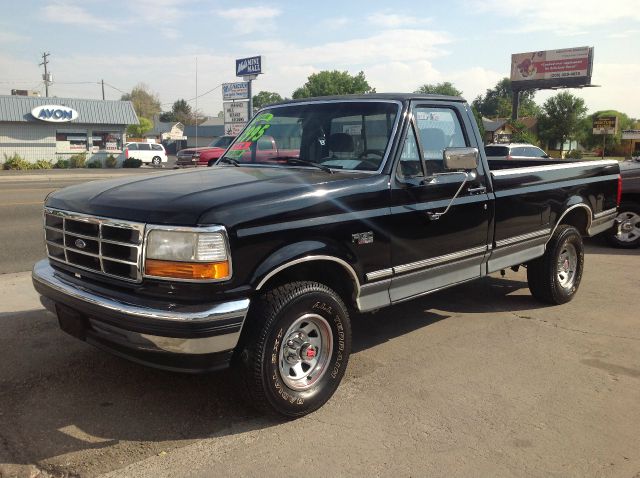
[(73, 409)]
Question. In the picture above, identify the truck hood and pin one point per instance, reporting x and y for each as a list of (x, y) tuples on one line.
[(219, 195), (204, 148)]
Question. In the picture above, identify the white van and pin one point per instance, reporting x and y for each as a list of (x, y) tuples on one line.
[(146, 152)]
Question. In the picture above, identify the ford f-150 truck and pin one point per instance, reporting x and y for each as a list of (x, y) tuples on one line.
[(257, 262)]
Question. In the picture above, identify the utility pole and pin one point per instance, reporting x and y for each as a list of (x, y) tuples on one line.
[(102, 89), (47, 76)]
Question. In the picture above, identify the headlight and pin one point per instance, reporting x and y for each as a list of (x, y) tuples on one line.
[(187, 254)]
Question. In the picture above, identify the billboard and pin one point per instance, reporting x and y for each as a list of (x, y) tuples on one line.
[(552, 68), (249, 66), (605, 125), (235, 91)]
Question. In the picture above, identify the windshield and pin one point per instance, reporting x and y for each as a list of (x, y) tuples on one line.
[(338, 135), (221, 142)]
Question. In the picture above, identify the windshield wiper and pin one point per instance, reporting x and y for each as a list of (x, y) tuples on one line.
[(303, 162), (226, 159)]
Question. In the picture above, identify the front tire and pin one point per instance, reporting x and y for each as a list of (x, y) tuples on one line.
[(296, 348), (555, 277), (629, 218)]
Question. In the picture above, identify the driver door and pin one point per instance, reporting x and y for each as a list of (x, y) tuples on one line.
[(428, 253)]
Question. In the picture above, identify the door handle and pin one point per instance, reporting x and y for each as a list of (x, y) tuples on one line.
[(478, 190)]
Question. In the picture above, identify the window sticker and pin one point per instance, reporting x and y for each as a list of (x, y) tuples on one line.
[(252, 134)]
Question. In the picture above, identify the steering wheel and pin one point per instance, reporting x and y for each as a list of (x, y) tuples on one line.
[(367, 152)]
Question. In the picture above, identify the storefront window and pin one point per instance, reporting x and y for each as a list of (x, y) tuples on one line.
[(67, 142), (106, 140)]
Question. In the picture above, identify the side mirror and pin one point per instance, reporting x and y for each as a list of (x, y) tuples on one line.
[(456, 159)]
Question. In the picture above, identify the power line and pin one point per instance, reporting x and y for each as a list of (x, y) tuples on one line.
[(195, 97)]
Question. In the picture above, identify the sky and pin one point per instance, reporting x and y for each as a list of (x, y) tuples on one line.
[(399, 45)]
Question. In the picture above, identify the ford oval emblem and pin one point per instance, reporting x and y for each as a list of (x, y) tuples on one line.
[(80, 244)]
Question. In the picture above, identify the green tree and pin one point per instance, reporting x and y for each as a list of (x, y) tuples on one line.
[(613, 142), (180, 111), (137, 130), (478, 117), (497, 101), (561, 118), (145, 103), (444, 88), (521, 134), (325, 83), (266, 98)]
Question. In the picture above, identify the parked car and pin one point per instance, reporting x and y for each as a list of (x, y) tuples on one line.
[(152, 153), (257, 262), (514, 151), (626, 232), (204, 156)]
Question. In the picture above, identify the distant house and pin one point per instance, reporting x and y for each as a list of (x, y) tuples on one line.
[(166, 131), (500, 131)]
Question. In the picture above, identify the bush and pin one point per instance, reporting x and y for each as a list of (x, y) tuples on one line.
[(111, 161), (16, 162), (42, 164), (78, 160), (61, 164), (573, 154), (131, 163), (96, 163)]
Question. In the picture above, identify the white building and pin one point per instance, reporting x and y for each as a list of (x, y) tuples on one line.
[(56, 128)]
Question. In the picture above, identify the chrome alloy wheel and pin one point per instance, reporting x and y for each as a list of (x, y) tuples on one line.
[(567, 264), (305, 352), (629, 229)]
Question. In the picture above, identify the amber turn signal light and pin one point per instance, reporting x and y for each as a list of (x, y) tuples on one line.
[(187, 270)]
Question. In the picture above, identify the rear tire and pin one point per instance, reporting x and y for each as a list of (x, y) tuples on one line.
[(555, 277), (211, 163), (629, 217), (156, 161), (295, 348)]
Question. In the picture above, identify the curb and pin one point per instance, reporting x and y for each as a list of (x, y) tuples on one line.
[(24, 176)]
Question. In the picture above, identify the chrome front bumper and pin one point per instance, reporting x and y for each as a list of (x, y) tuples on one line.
[(141, 329)]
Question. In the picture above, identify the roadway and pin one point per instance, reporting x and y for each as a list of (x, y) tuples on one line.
[(477, 380)]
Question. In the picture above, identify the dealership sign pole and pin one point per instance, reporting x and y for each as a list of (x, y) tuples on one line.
[(605, 125)]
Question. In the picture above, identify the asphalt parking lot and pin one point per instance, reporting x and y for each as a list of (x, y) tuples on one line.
[(478, 380)]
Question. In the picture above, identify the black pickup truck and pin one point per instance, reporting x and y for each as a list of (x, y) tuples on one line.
[(257, 262)]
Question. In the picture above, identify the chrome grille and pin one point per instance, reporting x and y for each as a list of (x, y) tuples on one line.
[(107, 246)]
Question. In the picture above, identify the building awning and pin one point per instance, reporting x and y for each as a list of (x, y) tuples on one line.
[(103, 112)]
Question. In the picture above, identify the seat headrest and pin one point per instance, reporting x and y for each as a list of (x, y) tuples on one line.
[(432, 139), (341, 143)]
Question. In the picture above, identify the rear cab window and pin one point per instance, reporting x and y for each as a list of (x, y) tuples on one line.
[(494, 151), (156, 147)]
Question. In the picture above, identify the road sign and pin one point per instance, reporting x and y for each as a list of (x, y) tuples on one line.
[(233, 129), (249, 66), (235, 91), (605, 125), (236, 115), (236, 112)]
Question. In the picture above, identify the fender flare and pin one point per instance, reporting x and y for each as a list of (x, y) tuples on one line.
[(300, 252), (589, 213)]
